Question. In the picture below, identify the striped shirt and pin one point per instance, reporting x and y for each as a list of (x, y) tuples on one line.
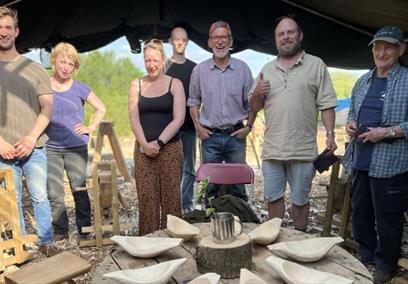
[(221, 94), (389, 159)]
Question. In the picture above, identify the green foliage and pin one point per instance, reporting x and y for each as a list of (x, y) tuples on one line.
[(109, 77), (343, 83), (202, 195)]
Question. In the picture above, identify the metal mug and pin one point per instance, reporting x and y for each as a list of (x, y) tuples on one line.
[(223, 227)]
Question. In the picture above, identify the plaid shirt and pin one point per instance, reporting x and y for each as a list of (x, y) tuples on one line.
[(389, 159)]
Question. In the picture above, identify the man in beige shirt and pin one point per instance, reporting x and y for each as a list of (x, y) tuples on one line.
[(292, 89)]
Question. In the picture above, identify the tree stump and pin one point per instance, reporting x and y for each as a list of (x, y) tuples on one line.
[(224, 259)]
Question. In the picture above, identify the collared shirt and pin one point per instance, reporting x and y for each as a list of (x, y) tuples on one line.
[(389, 159), (292, 105), (221, 94)]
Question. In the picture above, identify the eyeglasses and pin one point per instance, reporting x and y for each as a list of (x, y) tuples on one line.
[(289, 16), (223, 38)]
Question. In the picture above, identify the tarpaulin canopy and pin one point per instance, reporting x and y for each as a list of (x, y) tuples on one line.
[(336, 30)]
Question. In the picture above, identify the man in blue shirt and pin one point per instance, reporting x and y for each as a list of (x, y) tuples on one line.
[(378, 155)]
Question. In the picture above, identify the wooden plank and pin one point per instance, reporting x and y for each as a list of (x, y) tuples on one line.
[(328, 215), (118, 154), (115, 201), (56, 269), (107, 228), (90, 243), (96, 207), (346, 212), (107, 265)]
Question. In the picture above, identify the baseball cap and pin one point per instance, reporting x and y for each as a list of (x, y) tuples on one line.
[(391, 34), (219, 24)]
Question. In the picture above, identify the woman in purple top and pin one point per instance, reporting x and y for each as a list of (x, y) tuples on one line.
[(68, 138)]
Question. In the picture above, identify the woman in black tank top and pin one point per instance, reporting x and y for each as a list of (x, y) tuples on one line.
[(156, 113)]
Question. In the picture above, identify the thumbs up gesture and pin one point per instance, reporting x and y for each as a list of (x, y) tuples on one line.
[(262, 87)]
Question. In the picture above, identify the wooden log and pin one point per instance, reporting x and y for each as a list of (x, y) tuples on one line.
[(224, 259)]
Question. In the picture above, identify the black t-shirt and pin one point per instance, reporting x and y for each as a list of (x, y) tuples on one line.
[(183, 73), (370, 116)]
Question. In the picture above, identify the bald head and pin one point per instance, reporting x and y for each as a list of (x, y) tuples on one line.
[(179, 40), (178, 32)]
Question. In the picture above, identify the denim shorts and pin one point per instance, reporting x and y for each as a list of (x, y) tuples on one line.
[(299, 175)]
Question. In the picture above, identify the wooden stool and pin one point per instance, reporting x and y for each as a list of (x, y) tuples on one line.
[(59, 268), (105, 204)]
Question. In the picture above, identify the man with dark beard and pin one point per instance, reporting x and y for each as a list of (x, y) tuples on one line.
[(292, 89)]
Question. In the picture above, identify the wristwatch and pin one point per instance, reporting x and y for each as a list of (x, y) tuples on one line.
[(160, 143), (331, 133), (391, 132)]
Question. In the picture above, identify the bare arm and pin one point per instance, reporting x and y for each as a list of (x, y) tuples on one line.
[(179, 112), (96, 118), (25, 145), (134, 118), (328, 117)]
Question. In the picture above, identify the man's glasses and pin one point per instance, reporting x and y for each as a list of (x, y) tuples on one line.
[(223, 38)]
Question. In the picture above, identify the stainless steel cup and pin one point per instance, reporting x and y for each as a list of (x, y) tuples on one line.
[(223, 227)]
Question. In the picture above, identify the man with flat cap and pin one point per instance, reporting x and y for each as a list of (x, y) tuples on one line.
[(377, 124), (219, 104)]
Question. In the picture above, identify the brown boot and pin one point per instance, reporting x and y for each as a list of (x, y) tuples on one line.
[(300, 216), (276, 208), (50, 250)]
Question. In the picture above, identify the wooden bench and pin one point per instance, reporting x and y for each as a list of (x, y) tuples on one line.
[(57, 269)]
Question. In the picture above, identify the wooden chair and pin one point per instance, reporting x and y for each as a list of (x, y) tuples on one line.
[(57, 269), (338, 200), (227, 174)]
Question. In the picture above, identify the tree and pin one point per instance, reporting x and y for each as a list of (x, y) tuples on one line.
[(343, 83), (109, 77)]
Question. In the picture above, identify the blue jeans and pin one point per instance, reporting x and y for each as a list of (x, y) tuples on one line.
[(220, 148), (189, 139), (34, 168)]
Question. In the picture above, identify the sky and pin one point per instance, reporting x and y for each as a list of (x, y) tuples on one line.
[(255, 60)]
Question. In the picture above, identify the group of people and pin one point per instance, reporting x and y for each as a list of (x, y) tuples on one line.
[(42, 133), (217, 101)]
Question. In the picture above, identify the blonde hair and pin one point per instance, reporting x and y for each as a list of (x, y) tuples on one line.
[(67, 49), (155, 44), (5, 11)]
